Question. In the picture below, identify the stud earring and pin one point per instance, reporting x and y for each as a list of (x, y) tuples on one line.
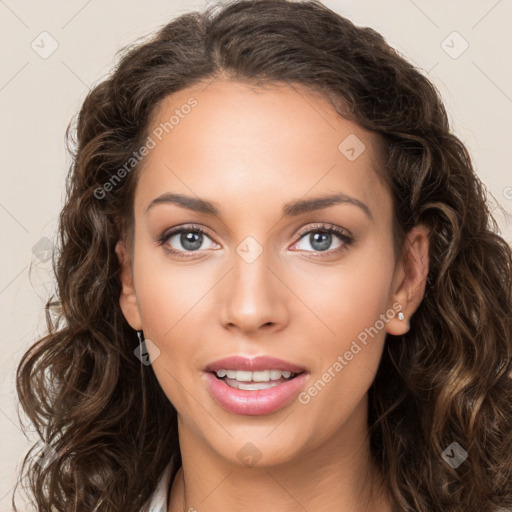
[(400, 316)]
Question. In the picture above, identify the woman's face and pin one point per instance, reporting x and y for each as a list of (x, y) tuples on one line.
[(265, 278)]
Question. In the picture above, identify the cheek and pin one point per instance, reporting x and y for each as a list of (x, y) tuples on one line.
[(175, 301), (345, 367), (351, 296), (351, 300), (171, 298), (168, 291)]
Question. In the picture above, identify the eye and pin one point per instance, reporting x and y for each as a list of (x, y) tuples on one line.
[(191, 239), (185, 239), (321, 238)]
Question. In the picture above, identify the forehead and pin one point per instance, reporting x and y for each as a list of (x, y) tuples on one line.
[(244, 144)]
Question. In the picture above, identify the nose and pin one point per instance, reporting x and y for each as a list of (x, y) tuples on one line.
[(253, 297)]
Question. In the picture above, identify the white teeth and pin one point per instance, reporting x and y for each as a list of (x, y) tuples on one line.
[(251, 387), (274, 375), (259, 376), (241, 376)]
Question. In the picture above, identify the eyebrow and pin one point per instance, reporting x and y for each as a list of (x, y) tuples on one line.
[(291, 209)]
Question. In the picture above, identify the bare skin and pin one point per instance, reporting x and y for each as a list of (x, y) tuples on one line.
[(251, 151)]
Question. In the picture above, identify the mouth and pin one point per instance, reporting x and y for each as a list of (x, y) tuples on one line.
[(254, 386)]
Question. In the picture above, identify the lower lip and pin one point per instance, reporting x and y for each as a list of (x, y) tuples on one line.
[(253, 403)]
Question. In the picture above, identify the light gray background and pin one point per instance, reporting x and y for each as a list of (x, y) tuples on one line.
[(39, 96)]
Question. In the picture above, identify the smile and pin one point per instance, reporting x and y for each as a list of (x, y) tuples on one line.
[(250, 397)]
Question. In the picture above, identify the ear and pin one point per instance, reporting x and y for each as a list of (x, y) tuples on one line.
[(409, 280), (128, 299)]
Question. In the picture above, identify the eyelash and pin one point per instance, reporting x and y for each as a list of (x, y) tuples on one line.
[(346, 238)]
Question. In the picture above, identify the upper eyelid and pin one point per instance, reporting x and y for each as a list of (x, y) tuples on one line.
[(326, 226)]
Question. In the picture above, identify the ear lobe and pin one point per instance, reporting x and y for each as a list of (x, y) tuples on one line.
[(128, 298), (411, 274)]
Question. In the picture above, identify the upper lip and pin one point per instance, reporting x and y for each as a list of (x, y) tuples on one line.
[(253, 364)]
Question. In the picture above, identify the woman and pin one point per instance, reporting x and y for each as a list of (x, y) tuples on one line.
[(280, 285)]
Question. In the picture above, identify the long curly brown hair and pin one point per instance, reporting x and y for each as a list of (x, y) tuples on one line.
[(102, 413)]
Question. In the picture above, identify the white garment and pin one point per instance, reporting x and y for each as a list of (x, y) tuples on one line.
[(158, 500)]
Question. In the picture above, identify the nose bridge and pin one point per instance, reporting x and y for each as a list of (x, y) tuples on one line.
[(253, 296)]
